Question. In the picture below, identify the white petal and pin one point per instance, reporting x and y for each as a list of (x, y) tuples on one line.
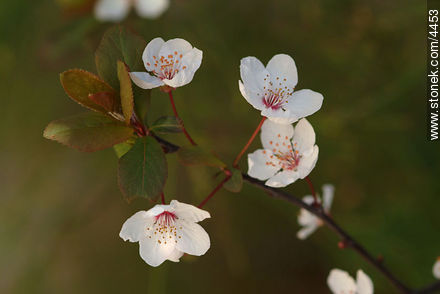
[(111, 10), (253, 74), (188, 212), (364, 283), (276, 136), (282, 179), (304, 137), (436, 269), (261, 165), (303, 103), (175, 255), (178, 45), (251, 97), (307, 163), (134, 228), (145, 80), (340, 282), (153, 252), (305, 218), (191, 60), (279, 116), (283, 66), (306, 232), (194, 239), (152, 50), (328, 191), (151, 8)]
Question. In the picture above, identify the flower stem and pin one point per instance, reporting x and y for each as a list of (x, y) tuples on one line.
[(216, 189), (170, 93), (162, 198), (312, 189), (237, 159)]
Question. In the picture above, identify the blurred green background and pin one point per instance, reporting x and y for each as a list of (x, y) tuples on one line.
[(61, 210)]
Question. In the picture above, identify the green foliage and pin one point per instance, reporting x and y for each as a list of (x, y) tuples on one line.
[(118, 43), (235, 183), (122, 148), (80, 84), (142, 100), (126, 91), (107, 100), (88, 131), (143, 170), (195, 155), (166, 124)]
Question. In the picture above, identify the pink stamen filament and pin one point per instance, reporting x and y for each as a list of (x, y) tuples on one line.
[(165, 218)]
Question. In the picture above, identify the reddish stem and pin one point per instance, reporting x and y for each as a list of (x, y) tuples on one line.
[(162, 198), (216, 189), (237, 159), (312, 189), (179, 119)]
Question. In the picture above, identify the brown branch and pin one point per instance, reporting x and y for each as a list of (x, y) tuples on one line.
[(349, 241)]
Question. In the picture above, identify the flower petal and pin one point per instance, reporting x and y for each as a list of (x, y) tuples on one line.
[(303, 103), (188, 212), (175, 255), (283, 66), (305, 218), (276, 136), (194, 239), (304, 137), (191, 61), (305, 232), (151, 8), (328, 191), (307, 163), (154, 252), (151, 53), (111, 10), (282, 179), (145, 80), (251, 97), (262, 164), (340, 282), (178, 45), (279, 116), (364, 283), (134, 227), (436, 269), (253, 74)]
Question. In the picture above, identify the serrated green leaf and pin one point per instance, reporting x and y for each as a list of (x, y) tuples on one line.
[(143, 170), (122, 148), (88, 131), (106, 100), (142, 100), (166, 124), (235, 183), (195, 155), (126, 91), (79, 84), (118, 44)]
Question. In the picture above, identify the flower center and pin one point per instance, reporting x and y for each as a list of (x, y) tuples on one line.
[(166, 218), (164, 230), (276, 93), (286, 154), (289, 160), (166, 67)]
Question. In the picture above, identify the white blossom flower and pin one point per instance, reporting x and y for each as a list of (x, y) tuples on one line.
[(117, 10), (436, 269), (166, 232), (271, 89), (172, 63), (289, 154), (307, 220), (340, 282)]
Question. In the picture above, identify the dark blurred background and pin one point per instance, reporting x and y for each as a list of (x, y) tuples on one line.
[(61, 210)]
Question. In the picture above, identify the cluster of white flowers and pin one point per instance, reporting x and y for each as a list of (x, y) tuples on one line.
[(117, 10)]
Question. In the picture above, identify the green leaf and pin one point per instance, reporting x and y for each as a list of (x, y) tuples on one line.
[(122, 148), (143, 170), (79, 84), (118, 44), (126, 91), (142, 99), (166, 124), (235, 183), (194, 155), (88, 131)]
